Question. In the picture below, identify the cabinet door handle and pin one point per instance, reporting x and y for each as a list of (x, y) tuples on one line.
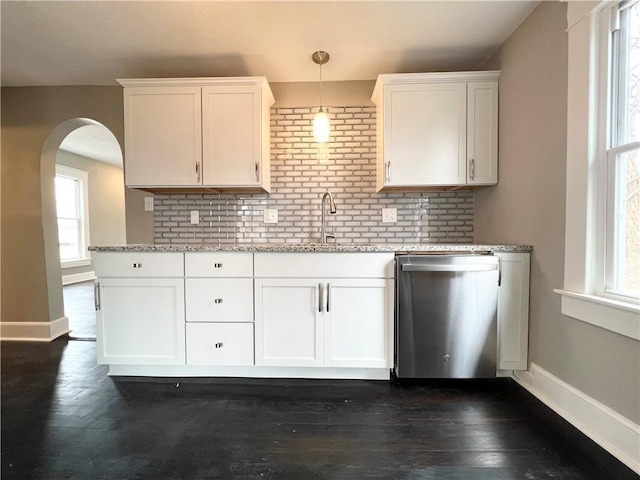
[(137, 265), (219, 345), (328, 295), (198, 172), (499, 271), (472, 164), (257, 170), (217, 265), (217, 301), (387, 172), (96, 295), (320, 297)]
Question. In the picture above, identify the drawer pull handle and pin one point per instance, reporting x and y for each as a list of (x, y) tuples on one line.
[(217, 300), (217, 265), (137, 265), (219, 345)]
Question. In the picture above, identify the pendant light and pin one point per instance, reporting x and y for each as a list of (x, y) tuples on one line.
[(321, 120)]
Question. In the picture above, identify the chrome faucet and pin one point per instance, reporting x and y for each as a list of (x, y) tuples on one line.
[(332, 209)]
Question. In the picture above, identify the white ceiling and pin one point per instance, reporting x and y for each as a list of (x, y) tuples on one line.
[(96, 142), (95, 42)]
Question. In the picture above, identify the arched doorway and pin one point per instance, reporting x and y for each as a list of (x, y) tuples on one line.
[(60, 137)]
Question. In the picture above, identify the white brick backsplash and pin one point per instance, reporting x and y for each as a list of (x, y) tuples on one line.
[(301, 171)]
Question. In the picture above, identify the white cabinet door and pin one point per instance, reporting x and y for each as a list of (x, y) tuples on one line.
[(513, 311), (358, 323), (141, 321), (231, 142), (288, 322), (482, 134), (163, 136), (425, 134)]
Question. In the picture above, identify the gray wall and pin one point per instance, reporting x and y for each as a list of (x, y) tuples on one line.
[(528, 206), (106, 202), (29, 115)]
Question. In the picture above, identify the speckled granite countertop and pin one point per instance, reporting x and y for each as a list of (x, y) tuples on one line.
[(315, 247)]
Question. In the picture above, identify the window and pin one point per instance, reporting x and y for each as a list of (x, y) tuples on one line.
[(602, 205), (622, 222), (72, 213)]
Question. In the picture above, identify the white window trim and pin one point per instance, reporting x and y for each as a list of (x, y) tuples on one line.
[(83, 176), (585, 195)]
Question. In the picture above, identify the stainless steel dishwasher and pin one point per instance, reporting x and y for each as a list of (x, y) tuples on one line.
[(445, 315)]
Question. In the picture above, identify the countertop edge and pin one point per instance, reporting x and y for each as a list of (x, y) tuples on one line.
[(316, 247)]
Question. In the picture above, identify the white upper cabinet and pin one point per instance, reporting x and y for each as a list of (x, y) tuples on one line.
[(163, 137), (482, 133), (197, 133), (436, 130)]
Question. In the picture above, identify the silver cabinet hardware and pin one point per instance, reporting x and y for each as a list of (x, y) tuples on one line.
[(217, 265), (499, 271), (219, 345), (472, 165), (328, 295), (387, 176), (320, 297), (257, 172), (217, 300), (198, 172), (137, 265), (96, 295), (408, 267)]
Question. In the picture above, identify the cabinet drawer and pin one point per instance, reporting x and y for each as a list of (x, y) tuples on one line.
[(220, 344), (219, 300), (219, 264), (326, 265), (134, 264)]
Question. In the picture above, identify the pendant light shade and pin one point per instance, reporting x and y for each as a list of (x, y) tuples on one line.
[(321, 127), (321, 121)]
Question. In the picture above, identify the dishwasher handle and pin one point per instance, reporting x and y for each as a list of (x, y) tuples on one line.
[(409, 267)]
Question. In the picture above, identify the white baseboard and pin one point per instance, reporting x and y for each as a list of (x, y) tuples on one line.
[(616, 434), (34, 331), (78, 277)]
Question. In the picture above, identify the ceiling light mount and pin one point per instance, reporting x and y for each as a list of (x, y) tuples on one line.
[(320, 57)]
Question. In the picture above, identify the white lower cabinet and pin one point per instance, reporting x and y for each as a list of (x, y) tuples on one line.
[(219, 308), (323, 322), (220, 344), (324, 310), (140, 321), (513, 311)]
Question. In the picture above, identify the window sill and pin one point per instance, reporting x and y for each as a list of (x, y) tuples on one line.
[(82, 262), (619, 317)]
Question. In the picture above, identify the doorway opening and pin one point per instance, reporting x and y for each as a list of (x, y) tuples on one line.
[(83, 204)]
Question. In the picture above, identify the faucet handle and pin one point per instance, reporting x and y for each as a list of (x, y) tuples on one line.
[(330, 234)]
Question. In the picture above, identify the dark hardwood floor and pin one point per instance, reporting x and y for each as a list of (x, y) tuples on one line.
[(63, 418), (79, 309)]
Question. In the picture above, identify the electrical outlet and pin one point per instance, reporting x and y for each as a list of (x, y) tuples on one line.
[(270, 215), (148, 204), (389, 215), (195, 217)]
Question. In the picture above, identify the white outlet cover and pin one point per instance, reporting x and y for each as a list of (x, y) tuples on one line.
[(148, 204), (389, 215), (270, 215), (195, 217)]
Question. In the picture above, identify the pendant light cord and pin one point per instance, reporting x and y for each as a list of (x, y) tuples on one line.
[(321, 87)]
